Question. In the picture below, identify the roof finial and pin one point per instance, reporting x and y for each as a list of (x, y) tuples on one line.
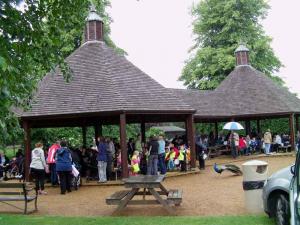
[(93, 15), (94, 26), (92, 8)]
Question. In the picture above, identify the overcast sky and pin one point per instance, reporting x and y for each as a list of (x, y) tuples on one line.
[(157, 34)]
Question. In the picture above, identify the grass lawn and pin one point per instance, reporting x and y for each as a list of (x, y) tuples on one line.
[(222, 220)]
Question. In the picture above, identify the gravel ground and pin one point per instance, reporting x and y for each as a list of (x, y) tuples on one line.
[(206, 193)]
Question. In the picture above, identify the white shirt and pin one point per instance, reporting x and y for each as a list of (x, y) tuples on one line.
[(278, 140), (38, 159)]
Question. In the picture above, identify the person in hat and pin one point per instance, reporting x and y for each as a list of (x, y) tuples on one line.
[(267, 141)]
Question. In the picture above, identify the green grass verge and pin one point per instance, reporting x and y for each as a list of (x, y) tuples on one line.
[(58, 220)]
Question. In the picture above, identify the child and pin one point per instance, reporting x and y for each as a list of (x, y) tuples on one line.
[(135, 161), (170, 157), (182, 158)]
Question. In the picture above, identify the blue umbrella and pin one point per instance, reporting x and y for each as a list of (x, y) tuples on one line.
[(233, 126)]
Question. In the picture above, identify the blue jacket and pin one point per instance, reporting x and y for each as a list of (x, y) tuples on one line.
[(102, 152), (63, 159)]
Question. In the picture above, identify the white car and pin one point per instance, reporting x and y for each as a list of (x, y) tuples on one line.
[(295, 192), (281, 195)]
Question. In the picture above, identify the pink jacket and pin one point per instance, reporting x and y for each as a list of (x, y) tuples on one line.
[(51, 153)]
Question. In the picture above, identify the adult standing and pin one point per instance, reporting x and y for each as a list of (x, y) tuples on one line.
[(102, 159), (277, 143), (63, 160), (234, 143), (153, 156), (267, 141), (2, 164), (298, 140), (201, 151), (161, 154), (51, 162), (110, 155), (37, 167)]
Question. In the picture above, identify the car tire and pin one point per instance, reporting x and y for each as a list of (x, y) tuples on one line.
[(282, 210)]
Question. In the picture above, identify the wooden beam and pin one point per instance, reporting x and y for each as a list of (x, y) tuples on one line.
[(297, 122), (100, 130), (124, 163), (143, 132), (258, 127), (216, 131), (292, 131), (191, 138), (96, 131), (27, 145), (248, 128), (84, 136)]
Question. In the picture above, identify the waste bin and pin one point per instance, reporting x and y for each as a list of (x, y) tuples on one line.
[(254, 176)]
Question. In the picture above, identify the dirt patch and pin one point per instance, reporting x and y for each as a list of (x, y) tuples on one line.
[(207, 193)]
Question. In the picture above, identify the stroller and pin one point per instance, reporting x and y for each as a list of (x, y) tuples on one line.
[(14, 169), (76, 179)]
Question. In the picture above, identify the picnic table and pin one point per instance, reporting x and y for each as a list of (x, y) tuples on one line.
[(216, 150), (149, 185)]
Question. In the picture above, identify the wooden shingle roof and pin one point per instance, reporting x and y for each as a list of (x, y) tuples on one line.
[(244, 92), (102, 81)]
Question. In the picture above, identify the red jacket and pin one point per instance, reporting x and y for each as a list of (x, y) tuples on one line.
[(51, 153), (242, 143)]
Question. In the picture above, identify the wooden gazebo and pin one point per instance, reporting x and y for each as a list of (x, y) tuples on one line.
[(105, 88), (246, 94)]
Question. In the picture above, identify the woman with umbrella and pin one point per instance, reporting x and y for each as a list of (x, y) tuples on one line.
[(234, 137)]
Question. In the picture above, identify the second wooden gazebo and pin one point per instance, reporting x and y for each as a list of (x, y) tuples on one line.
[(246, 94)]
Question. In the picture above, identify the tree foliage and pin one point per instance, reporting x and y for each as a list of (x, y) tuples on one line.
[(219, 27), (35, 37)]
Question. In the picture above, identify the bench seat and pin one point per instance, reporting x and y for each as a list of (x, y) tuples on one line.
[(16, 198), (175, 197), (15, 192), (115, 198)]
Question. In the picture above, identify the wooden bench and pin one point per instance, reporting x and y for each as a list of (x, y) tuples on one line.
[(15, 192), (115, 198), (284, 148), (116, 170), (174, 197)]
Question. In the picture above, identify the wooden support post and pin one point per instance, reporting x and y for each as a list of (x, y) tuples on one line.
[(100, 130), (297, 122), (216, 131), (143, 132), (248, 128), (27, 145), (258, 127), (84, 136), (124, 162), (292, 131), (96, 129), (191, 139)]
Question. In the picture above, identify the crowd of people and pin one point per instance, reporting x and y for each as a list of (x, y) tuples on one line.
[(266, 143), (102, 160)]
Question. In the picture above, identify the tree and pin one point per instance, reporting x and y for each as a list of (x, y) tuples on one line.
[(219, 27), (35, 37)]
